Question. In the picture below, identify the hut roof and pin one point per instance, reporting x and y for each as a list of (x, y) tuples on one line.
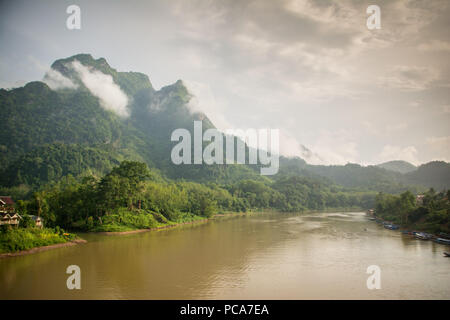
[(7, 200)]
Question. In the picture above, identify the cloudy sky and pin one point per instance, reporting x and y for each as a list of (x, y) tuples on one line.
[(308, 67)]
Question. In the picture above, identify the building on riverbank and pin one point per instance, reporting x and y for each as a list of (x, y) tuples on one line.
[(8, 214), (37, 221), (6, 204), (419, 199)]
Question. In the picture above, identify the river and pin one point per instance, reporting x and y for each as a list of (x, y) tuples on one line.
[(262, 256)]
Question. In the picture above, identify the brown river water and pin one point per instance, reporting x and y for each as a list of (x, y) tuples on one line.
[(262, 256)]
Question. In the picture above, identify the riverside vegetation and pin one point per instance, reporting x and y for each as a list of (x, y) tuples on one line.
[(132, 196), (25, 238), (431, 214), (83, 167)]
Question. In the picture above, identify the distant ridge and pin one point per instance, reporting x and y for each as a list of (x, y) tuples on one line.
[(434, 174), (398, 166)]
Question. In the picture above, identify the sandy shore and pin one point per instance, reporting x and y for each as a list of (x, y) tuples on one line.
[(118, 233), (40, 249)]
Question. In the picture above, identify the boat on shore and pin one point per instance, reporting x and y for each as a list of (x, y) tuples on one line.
[(391, 226), (443, 235), (442, 241), (447, 254), (442, 238), (422, 236)]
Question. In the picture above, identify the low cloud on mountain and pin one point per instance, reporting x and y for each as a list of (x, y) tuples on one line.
[(104, 88), (55, 80)]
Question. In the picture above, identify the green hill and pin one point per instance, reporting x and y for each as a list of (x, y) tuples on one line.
[(435, 174), (35, 117), (398, 166)]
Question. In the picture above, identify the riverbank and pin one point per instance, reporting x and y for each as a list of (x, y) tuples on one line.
[(217, 216), (16, 239), (413, 230), (266, 210), (41, 249), (419, 226), (224, 215), (337, 209), (428, 213), (118, 233)]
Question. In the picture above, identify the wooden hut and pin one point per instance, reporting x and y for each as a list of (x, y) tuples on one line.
[(8, 214)]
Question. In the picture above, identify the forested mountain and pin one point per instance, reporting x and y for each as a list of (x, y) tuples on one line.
[(85, 117), (435, 174), (36, 116), (398, 166)]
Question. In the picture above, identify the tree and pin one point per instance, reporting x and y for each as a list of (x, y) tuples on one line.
[(407, 205), (124, 184), (27, 222)]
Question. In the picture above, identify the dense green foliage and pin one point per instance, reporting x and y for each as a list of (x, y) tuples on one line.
[(17, 239), (132, 196), (366, 178), (52, 162), (431, 214), (435, 174), (60, 151), (308, 194)]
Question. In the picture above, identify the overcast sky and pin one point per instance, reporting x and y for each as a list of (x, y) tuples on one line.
[(308, 67)]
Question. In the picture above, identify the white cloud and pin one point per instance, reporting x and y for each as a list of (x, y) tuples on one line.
[(446, 108), (313, 91), (203, 100), (291, 147), (395, 128), (103, 87), (435, 46), (336, 147), (440, 147), (440, 142), (390, 153), (415, 104), (384, 129), (339, 13), (55, 80), (409, 78)]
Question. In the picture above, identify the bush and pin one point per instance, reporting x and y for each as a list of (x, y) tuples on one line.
[(17, 239), (124, 220)]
